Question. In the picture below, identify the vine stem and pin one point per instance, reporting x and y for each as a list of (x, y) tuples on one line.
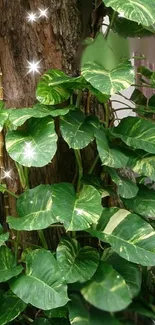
[(80, 168), (3, 188), (93, 165), (16, 246), (42, 239), (110, 25), (21, 175)]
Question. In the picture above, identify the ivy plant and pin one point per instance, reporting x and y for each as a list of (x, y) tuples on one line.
[(105, 256)]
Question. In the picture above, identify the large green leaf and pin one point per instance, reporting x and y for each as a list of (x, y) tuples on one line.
[(34, 208), (109, 157), (3, 117), (61, 312), (143, 203), (141, 11), (128, 234), (144, 165), (35, 146), (18, 116), (126, 188), (129, 271), (109, 82), (78, 130), (80, 315), (42, 284), (8, 267), (4, 236), (107, 289), (76, 263), (137, 133), (10, 308), (77, 212), (128, 28)]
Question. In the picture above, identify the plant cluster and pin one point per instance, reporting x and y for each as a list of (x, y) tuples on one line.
[(113, 202)]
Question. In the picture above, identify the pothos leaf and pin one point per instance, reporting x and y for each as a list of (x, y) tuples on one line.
[(11, 307)]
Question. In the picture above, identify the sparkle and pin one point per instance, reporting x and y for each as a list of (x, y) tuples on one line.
[(79, 211), (29, 152), (6, 174), (31, 17), (43, 13), (121, 15), (33, 66)]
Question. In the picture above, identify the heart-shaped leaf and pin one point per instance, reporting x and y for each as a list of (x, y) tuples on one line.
[(109, 157), (107, 289), (8, 267), (129, 271), (128, 234), (10, 308), (77, 212), (141, 11), (109, 82), (78, 130), (77, 264), (126, 188), (143, 203), (137, 133), (31, 147), (42, 285), (3, 117), (18, 116), (4, 236), (34, 208)]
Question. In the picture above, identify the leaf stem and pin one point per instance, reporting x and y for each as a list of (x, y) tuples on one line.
[(110, 25), (21, 175), (16, 242), (93, 165), (42, 239), (80, 168), (4, 189)]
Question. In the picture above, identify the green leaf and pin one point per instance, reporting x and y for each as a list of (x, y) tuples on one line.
[(3, 117), (109, 82), (78, 130), (126, 188), (109, 157), (42, 285), (143, 166), (128, 234), (129, 271), (19, 116), (107, 289), (142, 309), (10, 308), (31, 147), (61, 312), (141, 11), (34, 208), (3, 236), (137, 133), (76, 263), (80, 315), (77, 212), (143, 203), (8, 267), (50, 90), (128, 28)]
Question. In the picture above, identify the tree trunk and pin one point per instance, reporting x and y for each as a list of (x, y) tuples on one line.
[(54, 41)]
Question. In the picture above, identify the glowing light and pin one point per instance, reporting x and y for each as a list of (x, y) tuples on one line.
[(43, 13), (31, 17), (29, 151), (121, 15), (79, 211), (6, 174), (33, 67)]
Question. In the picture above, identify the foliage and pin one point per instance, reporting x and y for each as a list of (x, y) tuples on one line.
[(107, 218)]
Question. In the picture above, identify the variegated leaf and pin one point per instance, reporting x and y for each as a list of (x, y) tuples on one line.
[(137, 133), (3, 117), (128, 234), (34, 209), (107, 289), (78, 130), (143, 166), (78, 264), (141, 11), (109, 82), (18, 116), (77, 212), (42, 284), (4, 236), (11, 307), (109, 157), (143, 203), (31, 146), (8, 267), (126, 188)]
